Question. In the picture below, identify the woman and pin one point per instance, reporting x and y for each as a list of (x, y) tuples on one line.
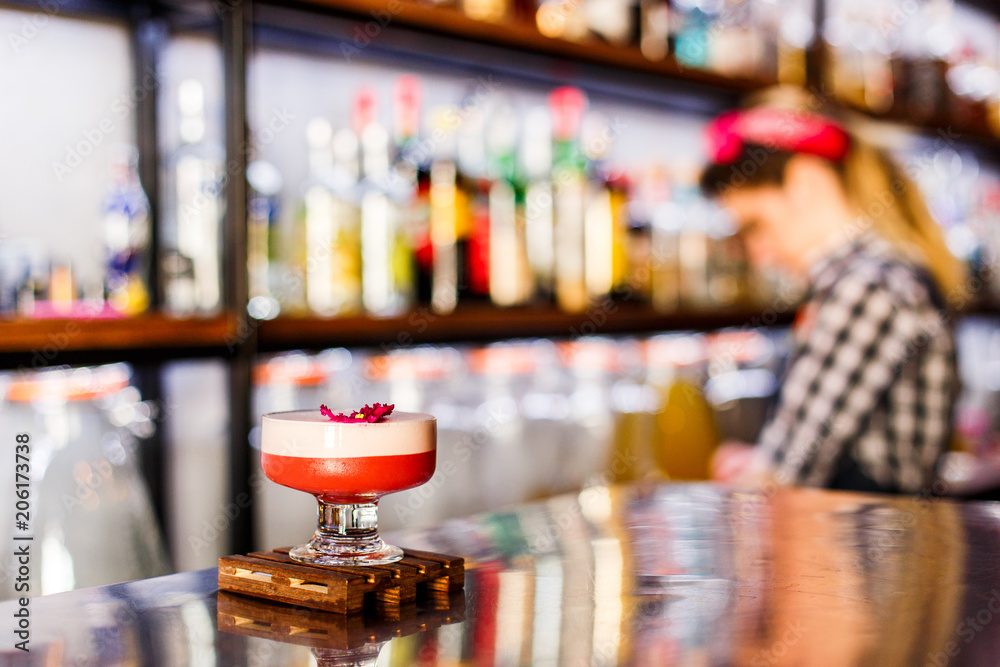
[(866, 402)]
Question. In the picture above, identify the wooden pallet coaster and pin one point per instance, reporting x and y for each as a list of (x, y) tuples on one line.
[(256, 617), (343, 590)]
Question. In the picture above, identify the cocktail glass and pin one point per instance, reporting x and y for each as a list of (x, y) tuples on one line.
[(348, 467)]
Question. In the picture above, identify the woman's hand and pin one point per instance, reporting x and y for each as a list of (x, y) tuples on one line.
[(730, 460), (740, 464)]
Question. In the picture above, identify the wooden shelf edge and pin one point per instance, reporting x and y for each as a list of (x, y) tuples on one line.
[(520, 35), (484, 323), (452, 22), (470, 323), (942, 129), (152, 331)]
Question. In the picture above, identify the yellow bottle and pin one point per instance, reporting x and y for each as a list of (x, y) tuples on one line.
[(685, 435), (631, 457)]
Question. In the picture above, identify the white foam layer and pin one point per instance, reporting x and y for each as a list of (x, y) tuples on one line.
[(308, 434)]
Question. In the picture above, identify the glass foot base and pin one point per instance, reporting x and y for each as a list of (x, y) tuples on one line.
[(347, 535), (331, 551), (379, 554)]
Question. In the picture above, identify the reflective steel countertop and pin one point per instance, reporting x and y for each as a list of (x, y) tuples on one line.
[(637, 575)]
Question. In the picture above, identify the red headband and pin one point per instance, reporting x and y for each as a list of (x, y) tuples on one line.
[(780, 129)]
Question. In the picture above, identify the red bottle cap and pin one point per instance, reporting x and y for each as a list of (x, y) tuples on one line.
[(567, 104), (407, 108), (364, 109)]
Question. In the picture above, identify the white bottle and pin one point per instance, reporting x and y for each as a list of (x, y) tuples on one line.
[(193, 262)]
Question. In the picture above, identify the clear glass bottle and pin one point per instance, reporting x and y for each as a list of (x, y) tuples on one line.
[(387, 284), (265, 184), (331, 253), (569, 188), (604, 217), (447, 207), (510, 281), (539, 221), (192, 260)]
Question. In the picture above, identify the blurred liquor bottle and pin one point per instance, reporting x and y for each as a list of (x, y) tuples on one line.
[(604, 238), (665, 264), (510, 279), (562, 20), (654, 29), (448, 205), (791, 28), (387, 283), (735, 43), (614, 21), (493, 11), (192, 238), (569, 190), (539, 218), (918, 69), (315, 249), (126, 236), (648, 187), (694, 247), (314, 209), (62, 287), (411, 169), (474, 180), (690, 30), (330, 249), (264, 267), (654, 265)]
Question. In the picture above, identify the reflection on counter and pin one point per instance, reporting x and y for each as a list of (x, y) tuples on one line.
[(336, 639), (643, 575), (696, 575)]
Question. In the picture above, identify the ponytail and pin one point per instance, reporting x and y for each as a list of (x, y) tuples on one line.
[(890, 201)]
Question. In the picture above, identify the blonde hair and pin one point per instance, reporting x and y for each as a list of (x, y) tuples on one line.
[(892, 202), (883, 195)]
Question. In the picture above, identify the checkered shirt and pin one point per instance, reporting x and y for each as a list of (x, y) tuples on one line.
[(872, 376)]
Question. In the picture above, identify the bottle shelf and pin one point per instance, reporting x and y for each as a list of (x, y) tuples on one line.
[(939, 128), (524, 36), (484, 322), (50, 337), (468, 323), (521, 35)]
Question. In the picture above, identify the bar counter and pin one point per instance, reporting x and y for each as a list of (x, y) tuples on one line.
[(671, 574)]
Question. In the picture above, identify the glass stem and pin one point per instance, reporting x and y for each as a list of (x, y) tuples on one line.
[(354, 521)]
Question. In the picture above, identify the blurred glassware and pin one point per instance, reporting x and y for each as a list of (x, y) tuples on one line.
[(592, 365), (91, 514), (742, 381)]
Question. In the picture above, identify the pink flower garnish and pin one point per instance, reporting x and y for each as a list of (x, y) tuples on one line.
[(369, 413)]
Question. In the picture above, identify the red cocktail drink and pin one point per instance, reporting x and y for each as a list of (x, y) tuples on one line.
[(348, 466), (350, 480)]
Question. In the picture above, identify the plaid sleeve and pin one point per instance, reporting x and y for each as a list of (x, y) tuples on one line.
[(844, 369)]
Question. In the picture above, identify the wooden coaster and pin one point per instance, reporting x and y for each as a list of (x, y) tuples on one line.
[(255, 617), (343, 590)]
